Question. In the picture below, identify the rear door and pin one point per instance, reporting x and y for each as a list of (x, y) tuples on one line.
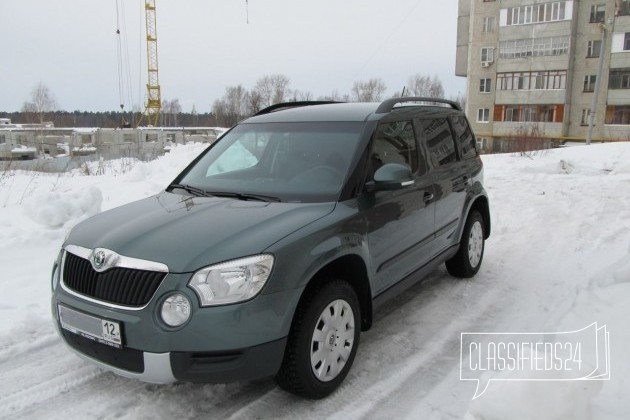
[(401, 222), (448, 178)]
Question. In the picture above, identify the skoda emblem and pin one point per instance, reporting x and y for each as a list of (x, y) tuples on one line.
[(99, 259)]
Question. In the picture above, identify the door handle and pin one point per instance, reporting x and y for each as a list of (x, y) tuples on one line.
[(427, 197)]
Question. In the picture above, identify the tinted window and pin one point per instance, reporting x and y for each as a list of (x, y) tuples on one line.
[(464, 136), (439, 140), (395, 142)]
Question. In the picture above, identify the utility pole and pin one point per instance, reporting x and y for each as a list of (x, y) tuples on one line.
[(598, 82)]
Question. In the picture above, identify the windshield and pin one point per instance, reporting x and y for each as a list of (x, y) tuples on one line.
[(305, 162)]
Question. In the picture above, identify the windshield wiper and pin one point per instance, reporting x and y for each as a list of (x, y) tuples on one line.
[(245, 196), (192, 190)]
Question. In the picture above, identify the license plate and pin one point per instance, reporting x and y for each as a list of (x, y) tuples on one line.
[(104, 331)]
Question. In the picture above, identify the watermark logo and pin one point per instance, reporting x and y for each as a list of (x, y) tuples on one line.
[(560, 356)]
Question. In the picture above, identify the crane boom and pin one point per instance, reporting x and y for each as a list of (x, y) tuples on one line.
[(154, 100)]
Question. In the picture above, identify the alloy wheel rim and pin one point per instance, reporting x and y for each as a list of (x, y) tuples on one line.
[(332, 340), (475, 244)]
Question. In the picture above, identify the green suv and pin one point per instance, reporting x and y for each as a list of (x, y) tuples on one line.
[(269, 254)]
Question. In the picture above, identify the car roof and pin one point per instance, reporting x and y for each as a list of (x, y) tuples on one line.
[(346, 112), (318, 113)]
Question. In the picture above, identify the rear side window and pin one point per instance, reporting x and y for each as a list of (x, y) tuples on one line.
[(395, 142), (439, 139), (464, 136)]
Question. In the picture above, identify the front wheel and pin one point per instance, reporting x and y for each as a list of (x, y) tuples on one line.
[(468, 259), (323, 341)]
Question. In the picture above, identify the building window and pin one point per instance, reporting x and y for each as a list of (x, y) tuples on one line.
[(485, 85), (487, 55), (592, 49), (3, 139), (598, 13), (488, 24), (483, 115), (541, 80), (618, 114), (589, 83), (537, 13), (529, 113), (482, 143), (626, 42), (534, 47), (622, 7), (585, 114), (619, 79)]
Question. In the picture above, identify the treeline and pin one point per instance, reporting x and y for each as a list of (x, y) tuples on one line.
[(239, 102), (236, 104)]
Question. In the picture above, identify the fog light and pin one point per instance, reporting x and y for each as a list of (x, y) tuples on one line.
[(175, 310)]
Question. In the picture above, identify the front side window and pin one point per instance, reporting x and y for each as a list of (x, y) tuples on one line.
[(305, 162), (395, 142)]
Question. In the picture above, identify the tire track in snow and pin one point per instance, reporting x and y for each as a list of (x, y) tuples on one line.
[(42, 391)]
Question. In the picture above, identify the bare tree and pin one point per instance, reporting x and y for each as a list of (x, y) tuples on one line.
[(42, 101), (232, 106), (335, 96), (426, 86), (254, 101), (369, 91), (169, 112), (272, 89), (298, 96)]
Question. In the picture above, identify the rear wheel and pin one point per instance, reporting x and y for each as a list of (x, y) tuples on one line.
[(468, 259), (323, 341)]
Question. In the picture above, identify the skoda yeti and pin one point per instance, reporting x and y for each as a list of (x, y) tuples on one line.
[(269, 254)]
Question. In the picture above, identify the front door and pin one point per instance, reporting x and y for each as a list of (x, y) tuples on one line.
[(400, 223)]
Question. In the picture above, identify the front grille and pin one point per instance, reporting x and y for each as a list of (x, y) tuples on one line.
[(120, 286), (125, 358)]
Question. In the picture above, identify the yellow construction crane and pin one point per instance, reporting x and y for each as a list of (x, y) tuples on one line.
[(154, 99)]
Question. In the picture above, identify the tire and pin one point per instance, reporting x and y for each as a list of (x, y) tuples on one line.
[(468, 259), (322, 342)]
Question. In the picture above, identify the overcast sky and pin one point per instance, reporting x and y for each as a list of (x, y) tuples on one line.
[(207, 45)]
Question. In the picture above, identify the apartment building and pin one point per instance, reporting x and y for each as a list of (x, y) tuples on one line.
[(533, 69)]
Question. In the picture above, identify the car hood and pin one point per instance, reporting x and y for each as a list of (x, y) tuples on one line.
[(187, 233)]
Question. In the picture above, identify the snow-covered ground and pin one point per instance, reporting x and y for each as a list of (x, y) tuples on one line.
[(558, 260)]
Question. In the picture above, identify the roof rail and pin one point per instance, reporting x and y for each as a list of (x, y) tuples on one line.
[(388, 104), (285, 105)]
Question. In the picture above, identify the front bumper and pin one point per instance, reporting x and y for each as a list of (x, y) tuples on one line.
[(257, 362), (228, 343)]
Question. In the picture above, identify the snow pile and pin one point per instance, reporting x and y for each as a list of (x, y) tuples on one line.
[(54, 209)]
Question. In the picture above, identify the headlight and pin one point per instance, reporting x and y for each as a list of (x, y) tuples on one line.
[(232, 281), (175, 310), (55, 276), (57, 270)]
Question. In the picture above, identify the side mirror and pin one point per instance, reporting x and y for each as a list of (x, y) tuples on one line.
[(391, 176)]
